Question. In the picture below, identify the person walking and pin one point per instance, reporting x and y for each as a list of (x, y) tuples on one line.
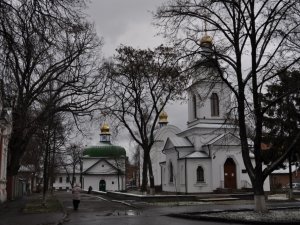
[(76, 196)]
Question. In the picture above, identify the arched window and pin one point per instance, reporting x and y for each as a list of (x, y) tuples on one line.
[(200, 174), (171, 172), (194, 99), (214, 100)]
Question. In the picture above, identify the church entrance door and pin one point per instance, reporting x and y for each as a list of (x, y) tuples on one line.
[(102, 185), (230, 174)]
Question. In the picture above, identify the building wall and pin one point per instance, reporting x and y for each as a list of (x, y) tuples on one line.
[(4, 138), (213, 171), (203, 93), (194, 186), (111, 182), (278, 181), (219, 156), (61, 181), (88, 162), (171, 186), (104, 170), (185, 172)]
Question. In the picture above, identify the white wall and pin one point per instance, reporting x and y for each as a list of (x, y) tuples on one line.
[(213, 171), (106, 170), (203, 93), (171, 156), (110, 180), (242, 178), (64, 185), (193, 185)]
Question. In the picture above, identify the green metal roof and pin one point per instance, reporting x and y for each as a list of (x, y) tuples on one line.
[(104, 151)]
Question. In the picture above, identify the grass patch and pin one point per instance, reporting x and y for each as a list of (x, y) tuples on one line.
[(36, 206)]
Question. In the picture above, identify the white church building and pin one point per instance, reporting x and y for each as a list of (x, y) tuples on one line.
[(206, 156), (103, 166)]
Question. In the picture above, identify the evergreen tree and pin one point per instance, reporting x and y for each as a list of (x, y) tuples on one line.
[(282, 117)]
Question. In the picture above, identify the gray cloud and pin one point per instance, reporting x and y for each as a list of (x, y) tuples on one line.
[(124, 22), (129, 22)]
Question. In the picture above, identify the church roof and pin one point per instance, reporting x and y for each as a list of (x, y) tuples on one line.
[(159, 132), (104, 151), (197, 155), (225, 139), (180, 141), (215, 139)]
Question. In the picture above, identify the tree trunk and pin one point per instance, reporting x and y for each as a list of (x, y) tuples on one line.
[(16, 145), (144, 172), (151, 177), (260, 203), (45, 175), (259, 194), (118, 180)]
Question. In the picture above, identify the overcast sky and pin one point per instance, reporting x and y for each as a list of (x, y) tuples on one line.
[(129, 22)]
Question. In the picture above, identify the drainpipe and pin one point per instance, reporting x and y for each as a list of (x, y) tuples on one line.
[(177, 168), (185, 176), (161, 180)]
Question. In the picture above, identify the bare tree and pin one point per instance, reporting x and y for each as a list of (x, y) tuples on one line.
[(253, 40), (71, 161), (45, 42), (142, 82), (119, 161)]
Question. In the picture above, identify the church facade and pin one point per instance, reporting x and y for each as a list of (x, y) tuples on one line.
[(103, 166), (207, 155)]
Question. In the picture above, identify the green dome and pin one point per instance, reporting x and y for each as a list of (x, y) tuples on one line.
[(104, 151)]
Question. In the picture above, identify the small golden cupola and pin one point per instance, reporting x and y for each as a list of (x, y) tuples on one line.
[(105, 129), (105, 134), (163, 118), (206, 41)]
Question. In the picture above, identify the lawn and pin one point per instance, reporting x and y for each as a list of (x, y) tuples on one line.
[(36, 206)]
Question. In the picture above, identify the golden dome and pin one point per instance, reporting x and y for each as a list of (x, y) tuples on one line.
[(105, 129), (206, 40), (163, 117)]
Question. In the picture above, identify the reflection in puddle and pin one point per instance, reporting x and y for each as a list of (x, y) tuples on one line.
[(132, 213), (125, 213)]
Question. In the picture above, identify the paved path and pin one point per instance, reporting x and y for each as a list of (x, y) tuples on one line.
[(98, 210)]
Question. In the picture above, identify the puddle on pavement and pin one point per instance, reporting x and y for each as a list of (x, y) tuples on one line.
[(132, 213), (125, 213)]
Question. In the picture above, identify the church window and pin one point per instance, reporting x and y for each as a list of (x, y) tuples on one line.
[(214, 100), (171, 172), (200, 174), (194, 99)]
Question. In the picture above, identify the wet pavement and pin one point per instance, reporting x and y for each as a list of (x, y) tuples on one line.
[(99, 210), (102, 210)]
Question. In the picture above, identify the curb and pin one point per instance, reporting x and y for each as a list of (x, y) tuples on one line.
[(125, 203), (193, 216)]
